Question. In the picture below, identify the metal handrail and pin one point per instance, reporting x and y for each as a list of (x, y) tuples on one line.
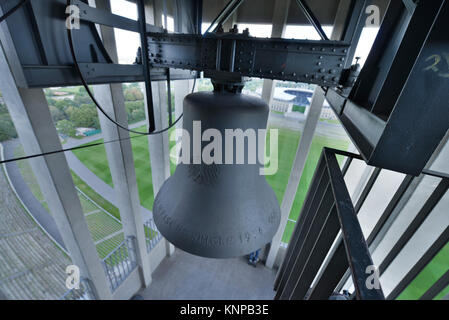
[(327, 210), (152, 235), (119, 263), (83, 293)]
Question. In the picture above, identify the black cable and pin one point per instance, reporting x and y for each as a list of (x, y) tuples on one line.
[(86, 86), (94, 144), (14, 9), (139, 134), (91, 145), (69, 149)]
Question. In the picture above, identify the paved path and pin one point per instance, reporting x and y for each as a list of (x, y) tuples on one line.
[(71, 142), (39, 213)]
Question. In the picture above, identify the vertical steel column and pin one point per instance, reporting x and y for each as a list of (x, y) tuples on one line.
[(145, 64)]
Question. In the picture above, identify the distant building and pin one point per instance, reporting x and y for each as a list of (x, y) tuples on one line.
[(282, 101), (61, 95), (82, 132), (285, 98), (327, 112), (302, 96)]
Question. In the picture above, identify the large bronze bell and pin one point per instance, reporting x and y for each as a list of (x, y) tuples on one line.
[(219, 210)]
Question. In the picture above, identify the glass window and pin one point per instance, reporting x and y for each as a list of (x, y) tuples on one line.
[(25, 245)]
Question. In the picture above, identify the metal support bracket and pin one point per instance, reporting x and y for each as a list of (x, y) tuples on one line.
[(229, 55)]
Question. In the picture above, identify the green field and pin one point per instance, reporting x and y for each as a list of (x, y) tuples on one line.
[(288, 143), (101, 225), (95, 159), (428, 276)]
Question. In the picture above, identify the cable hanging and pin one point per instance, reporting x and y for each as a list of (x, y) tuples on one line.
[(85, 85), (89, 92)]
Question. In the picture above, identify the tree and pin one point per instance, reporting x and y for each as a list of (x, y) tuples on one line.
[(135, 111), (84, 116), (66, 127), (63, 104), (3, 108), (81, 98), (138, 115), (133, 94), (7, 129), (56, 114)]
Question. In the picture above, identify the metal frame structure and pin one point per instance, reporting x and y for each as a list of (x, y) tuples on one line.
[(327, 210), (376, 113), (119, 263), (51, 63), (383, 130), (231, 56), (317, 229), (387, 110)]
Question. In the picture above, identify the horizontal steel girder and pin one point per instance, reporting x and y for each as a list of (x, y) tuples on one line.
[(228, 55)]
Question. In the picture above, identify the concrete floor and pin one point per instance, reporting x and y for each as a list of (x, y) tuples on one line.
[(184, 276)]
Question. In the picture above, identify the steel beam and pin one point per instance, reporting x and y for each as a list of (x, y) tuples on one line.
[(317, 62)]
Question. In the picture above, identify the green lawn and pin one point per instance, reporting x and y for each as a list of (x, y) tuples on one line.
[(99, 165), (105, 247), (288, 144), (428, 276), (99, 200), (95, 159), (100, 224), (30, 179)]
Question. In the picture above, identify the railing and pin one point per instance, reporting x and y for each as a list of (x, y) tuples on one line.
[(327, 210), (83, 293), (152, 235), (119, 264)]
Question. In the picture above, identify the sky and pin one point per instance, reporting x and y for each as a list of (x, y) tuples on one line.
[(128, 42)]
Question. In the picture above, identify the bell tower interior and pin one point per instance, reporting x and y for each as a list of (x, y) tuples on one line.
[(224, 150)]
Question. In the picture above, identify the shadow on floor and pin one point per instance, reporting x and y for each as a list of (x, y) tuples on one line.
[(187, 277)]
